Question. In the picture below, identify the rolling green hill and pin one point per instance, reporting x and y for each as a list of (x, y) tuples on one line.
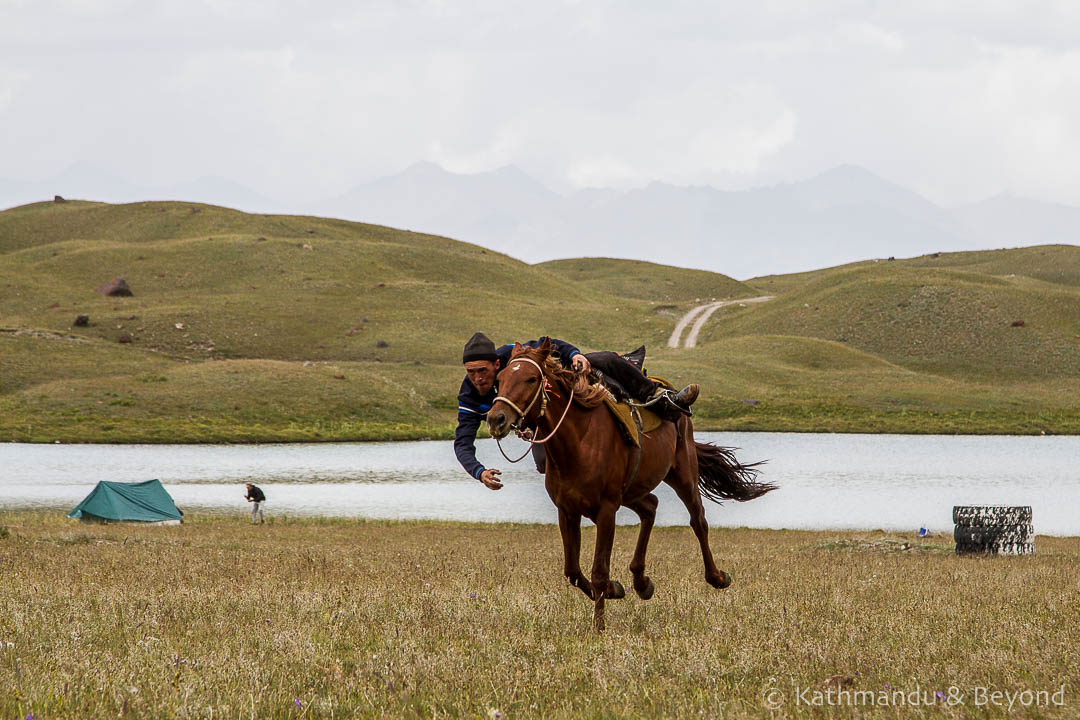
[(279, 287), (648, 281), (947, 321), (1058, 264), (251, 327)]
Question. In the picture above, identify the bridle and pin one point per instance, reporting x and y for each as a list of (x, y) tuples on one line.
[(541, 393), (542, 396)]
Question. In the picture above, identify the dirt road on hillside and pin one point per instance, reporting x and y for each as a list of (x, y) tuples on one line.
[(700, 315)]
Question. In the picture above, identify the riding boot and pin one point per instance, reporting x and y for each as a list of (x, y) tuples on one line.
[(671, 405), (686, 397)]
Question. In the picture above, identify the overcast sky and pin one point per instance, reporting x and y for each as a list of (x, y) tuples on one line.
[(954, 99)]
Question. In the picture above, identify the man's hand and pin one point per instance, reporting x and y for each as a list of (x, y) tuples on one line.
[(488, 477), (580, 363)]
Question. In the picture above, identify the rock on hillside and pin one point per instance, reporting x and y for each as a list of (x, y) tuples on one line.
[(117, 287)]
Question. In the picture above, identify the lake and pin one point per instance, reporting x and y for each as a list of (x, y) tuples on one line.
[(893, 482)]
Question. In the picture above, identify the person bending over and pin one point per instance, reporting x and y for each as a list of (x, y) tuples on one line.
[(479, 388), (256, 496)]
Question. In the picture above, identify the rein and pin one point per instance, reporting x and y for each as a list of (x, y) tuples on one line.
[(541, 394)]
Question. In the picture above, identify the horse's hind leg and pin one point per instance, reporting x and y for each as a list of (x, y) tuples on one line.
[(691, 497), (570, 528), (683, 479), (645, 507)]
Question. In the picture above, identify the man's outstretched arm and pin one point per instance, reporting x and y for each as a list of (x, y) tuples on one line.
[(465, 448)]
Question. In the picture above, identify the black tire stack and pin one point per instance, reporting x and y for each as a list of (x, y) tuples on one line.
[(994, 529)]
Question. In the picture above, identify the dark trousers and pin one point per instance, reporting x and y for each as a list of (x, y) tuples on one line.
[(617, 370), (539, 457), (627, 376)]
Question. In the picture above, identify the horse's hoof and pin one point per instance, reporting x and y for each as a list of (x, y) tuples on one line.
[(583, 585), (647, 591), (616, 591), (720, 582)]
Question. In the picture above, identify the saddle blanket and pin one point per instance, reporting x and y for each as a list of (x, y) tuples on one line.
[(624, 417)]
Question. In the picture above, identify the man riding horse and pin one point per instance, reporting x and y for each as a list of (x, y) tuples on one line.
[(594, 468), (479, 389)]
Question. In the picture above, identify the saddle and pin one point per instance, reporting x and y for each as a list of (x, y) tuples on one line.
[(634, 421)]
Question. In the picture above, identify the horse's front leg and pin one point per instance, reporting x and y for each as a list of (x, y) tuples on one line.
[(603, 586), (570, 528)]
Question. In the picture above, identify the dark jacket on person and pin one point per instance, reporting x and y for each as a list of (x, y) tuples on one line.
[(473, 407), (255, 494)]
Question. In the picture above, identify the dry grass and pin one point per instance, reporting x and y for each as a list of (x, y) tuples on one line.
[(335, 618)]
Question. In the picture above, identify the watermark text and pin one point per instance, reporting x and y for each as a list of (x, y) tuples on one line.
[(834, 695)]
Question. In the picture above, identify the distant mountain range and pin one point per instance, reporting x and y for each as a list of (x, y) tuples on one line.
[(86, 182), (843, 215)]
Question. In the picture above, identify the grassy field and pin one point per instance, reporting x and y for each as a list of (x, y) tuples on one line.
[(333, 618), (276, 328)]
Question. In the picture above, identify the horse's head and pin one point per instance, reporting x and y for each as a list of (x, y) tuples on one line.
[(521, 397)]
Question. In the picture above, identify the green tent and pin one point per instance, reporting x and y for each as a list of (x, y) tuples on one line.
[(128, 502)]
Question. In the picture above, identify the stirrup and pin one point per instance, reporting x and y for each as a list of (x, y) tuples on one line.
[(663, 404), (670, 397)]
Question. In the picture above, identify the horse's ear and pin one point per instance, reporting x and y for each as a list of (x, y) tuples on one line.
[(518, 349), (545, 347)]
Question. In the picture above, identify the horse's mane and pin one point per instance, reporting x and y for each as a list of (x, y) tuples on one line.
[(585, 395)]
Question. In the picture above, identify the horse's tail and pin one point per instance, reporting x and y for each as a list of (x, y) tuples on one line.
[(722, 477)]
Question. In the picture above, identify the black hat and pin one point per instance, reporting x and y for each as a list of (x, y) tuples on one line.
[(479, 347)]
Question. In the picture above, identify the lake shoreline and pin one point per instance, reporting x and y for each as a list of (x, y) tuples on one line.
[(243, 436), (47, 515)]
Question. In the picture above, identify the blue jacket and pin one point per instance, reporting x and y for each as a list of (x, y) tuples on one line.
[(473, 407)]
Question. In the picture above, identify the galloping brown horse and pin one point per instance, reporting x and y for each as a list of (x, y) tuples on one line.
[(591, 471)]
